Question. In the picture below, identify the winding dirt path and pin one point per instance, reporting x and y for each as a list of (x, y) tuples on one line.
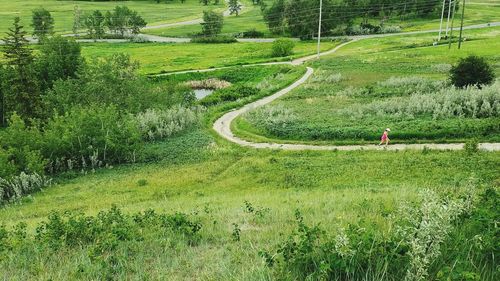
[(223, 125)]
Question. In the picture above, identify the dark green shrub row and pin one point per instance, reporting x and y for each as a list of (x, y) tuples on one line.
[(214, 39), (252, 33), (229, 94)]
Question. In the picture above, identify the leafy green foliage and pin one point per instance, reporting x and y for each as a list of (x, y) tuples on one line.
[(282, 47), (212, 23), (472, 71), (122, 20), (60, 59), (229, 94), (42, 23)]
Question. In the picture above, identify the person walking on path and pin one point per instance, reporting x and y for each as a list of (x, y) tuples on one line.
[(385, 137)]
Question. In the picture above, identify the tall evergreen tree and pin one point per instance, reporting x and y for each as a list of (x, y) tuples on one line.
[(22, 93)]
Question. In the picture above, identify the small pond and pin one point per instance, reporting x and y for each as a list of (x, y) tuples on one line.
[(201, 93)]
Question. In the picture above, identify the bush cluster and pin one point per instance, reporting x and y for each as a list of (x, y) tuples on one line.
[(282, 47), (272, 118), (160, 124)]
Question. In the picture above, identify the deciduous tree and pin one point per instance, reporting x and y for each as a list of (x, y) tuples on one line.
[(42, 23)]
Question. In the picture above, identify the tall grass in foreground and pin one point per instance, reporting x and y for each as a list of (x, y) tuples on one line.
[(409, 250)]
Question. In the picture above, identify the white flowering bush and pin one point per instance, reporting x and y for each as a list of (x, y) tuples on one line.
[(271, 118), (413, 84), (21, 185), (390, 29), (160, 124), (325, 76), (441, 67), (425, 226), (470, 102), (211, 83)]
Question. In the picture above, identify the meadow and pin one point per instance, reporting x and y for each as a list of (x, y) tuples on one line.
[(360, 90), (161, 57), (62, 11)]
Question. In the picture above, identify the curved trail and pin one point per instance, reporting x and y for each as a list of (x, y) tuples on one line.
[(223, 125)]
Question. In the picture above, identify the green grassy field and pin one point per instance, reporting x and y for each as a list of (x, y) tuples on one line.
[(320, 104), (249, 18), (157, 57), (62, 11)]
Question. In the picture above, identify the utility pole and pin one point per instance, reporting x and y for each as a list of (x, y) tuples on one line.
[(449, 13), (319, 24), (461, 26), (441, 24), (452, 18)]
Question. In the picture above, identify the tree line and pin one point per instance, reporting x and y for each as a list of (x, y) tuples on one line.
[(299, 18)]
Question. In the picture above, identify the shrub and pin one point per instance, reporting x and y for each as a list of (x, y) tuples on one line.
[(159, 124), (390, 29), (412, 84), (273, 119), (252, 33), (21, 185), (20, 148), (471, 146), (108, 229), (324, 76), (213, 39), (472, 71), (229, 94), (211, 83), (90, 137), (282, 47)]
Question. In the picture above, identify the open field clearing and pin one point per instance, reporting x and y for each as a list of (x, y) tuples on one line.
[(158, 57)]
